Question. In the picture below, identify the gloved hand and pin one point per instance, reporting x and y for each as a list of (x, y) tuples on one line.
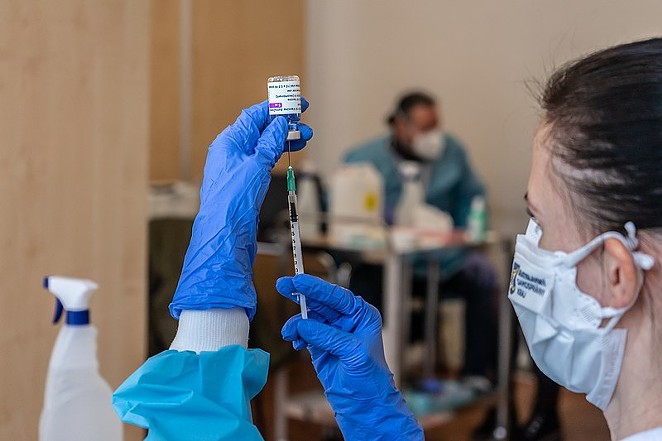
[(218, 267), (343, 335)]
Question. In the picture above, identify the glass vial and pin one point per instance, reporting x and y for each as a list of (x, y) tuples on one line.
[(285, 100)]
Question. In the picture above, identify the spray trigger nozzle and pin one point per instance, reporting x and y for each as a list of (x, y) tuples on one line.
[(73, 295), (59, 308)]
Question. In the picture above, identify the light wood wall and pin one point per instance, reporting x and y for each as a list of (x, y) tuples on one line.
[(236, 47), (73, 167)]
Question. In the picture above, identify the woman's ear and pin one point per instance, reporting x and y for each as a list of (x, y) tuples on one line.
[(624, 278)]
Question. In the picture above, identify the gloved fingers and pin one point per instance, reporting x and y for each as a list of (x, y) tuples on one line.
[(250, 124), (272, 142), (255, 117), (335, 297), (305, 130), (289, 330), (258, 114), (252, 133), (244, 133), (323, 337), (289, 333), (269, 146), (329, 338), (330, 315), (306, 134)]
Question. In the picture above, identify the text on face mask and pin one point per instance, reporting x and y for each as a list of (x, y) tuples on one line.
[(522, 282)]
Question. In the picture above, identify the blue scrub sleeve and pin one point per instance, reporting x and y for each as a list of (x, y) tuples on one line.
[(188, 396)]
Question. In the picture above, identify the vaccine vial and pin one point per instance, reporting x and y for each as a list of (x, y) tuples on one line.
[(285, 100)]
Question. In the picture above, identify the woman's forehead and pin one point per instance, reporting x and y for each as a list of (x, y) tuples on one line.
[(545, 188), (548, 193), (539, 177)]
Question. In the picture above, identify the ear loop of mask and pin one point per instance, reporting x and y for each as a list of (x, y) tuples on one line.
[(643, 261)]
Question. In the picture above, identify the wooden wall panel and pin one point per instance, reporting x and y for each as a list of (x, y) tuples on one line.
[(164, 90), (236, 47), (73, 167)]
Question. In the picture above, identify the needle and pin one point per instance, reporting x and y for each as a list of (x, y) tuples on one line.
[(289, 151)]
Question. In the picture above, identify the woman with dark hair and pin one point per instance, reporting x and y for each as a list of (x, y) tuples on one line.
[(585, 279), (586, 276)]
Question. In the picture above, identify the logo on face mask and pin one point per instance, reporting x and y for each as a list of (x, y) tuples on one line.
[(513, 279), (523, 283)]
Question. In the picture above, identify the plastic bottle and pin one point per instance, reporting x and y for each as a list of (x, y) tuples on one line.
[(77, 401), (413, 194), (477, 222), (284, 93), (355, 205)]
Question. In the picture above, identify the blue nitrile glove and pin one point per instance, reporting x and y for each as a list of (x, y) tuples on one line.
[(218, 268), (344, 335)]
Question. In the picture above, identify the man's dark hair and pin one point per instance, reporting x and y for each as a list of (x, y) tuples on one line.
[(408, 102)]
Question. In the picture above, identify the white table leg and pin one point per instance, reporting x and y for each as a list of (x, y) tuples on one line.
[(392, 330), (502, 431)]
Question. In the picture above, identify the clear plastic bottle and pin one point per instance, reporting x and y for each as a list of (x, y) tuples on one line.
[(284, 93), (413, 194), (477, 222)]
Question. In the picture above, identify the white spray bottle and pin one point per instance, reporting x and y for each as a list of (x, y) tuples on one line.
[(77, 401)]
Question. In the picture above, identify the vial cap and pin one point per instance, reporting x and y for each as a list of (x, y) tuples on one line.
[(293, 135)]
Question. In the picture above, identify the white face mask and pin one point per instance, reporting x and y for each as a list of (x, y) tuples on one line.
[(429, 145), (561, 324)]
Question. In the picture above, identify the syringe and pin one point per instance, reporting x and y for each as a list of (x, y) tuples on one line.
[(296, 238)]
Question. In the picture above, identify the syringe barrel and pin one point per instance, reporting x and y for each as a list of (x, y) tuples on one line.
[(292, 206), (297, 252), (296, 248)]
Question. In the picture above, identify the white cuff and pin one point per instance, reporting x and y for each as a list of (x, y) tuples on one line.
[(211, 329)]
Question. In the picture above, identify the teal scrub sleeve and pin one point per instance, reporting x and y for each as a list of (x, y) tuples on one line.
[(188, 396)]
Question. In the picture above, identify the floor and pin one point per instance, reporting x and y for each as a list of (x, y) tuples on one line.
[(580, 420)]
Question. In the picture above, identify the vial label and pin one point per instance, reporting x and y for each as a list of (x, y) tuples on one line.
[(284, 97)]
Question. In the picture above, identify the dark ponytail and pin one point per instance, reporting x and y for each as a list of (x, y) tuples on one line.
[(605, 117)]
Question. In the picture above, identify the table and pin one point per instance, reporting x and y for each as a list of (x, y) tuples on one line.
[(397, 297), (397, 289)]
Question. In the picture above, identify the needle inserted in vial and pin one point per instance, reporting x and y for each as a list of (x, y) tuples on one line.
[(285, 100)]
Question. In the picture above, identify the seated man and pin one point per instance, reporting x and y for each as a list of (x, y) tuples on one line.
[(450, 185)]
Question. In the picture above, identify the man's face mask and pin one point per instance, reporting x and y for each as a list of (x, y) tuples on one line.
[(429, 145), (561, 324)]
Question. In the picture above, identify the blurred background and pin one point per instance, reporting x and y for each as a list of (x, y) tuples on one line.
[(107, 108)]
